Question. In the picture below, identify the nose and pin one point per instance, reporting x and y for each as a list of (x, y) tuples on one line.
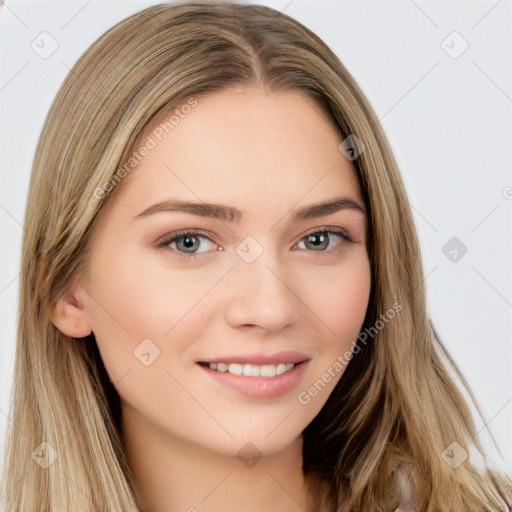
[(261, 295)]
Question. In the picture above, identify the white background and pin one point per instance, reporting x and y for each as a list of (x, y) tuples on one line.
[(449, 121)]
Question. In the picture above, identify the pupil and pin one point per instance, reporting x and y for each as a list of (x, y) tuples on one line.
[(317, 239), (188, 241)]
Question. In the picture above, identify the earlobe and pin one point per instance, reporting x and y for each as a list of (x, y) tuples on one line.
[(69, 315)]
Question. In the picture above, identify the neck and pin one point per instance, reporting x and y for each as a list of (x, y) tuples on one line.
[(174, 475)]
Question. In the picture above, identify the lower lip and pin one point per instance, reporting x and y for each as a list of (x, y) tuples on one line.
[(259, 387)]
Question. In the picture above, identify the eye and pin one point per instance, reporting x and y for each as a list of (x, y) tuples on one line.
[(186, 243), (320, 239)]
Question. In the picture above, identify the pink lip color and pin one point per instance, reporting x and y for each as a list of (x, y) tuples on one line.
[(285, 356), (259, 387)]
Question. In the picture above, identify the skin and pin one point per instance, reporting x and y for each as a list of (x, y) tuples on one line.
[(267, 154)]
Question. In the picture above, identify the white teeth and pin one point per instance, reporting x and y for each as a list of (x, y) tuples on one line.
[(280, 368), (268, 370), (253, 370), (235, 369)]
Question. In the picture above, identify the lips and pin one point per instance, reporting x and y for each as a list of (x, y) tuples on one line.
[(257, 375)]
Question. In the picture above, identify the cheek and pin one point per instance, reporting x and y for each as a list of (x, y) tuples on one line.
[(339, 296), (146, 299), (130, 301)]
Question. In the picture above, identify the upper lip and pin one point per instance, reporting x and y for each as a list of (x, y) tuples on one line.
[(286, 356)]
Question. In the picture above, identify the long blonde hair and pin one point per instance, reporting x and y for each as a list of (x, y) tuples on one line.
[(397, 403)]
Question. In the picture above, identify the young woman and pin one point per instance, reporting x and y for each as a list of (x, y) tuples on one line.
[(222, 303)]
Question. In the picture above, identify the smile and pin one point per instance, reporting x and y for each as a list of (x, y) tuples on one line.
[(261, 381)]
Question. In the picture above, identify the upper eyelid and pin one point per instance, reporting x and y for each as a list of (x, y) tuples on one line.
[(167, 238)]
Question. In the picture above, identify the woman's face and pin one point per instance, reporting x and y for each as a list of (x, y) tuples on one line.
[(175, 295)]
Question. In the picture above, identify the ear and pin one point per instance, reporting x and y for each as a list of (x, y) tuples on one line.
[(69, 315), (404, 489)]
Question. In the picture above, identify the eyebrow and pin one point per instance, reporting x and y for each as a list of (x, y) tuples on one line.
[(231, 214)]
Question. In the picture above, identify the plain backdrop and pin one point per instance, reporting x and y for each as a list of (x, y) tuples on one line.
[(438, 75)]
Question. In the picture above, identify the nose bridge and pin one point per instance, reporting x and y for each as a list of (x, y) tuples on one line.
[(261, 293)]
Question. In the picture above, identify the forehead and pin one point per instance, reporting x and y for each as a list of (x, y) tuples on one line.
[(244, 147)]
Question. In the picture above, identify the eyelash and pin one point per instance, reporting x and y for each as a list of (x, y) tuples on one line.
[(176, 235)]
